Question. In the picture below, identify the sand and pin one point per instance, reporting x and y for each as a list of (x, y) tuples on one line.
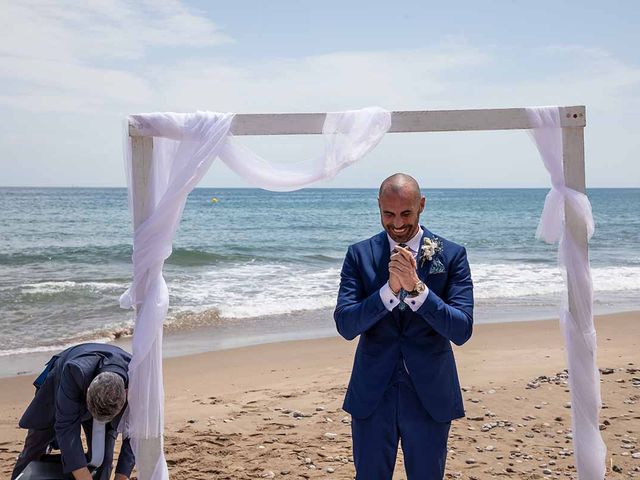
[(274, 411)]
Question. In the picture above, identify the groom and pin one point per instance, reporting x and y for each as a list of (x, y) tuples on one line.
[(408, 294)]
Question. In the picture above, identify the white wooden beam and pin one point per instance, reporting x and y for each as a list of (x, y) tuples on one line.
[(574, 175), (149, 449), (402, 121), (142, 156)]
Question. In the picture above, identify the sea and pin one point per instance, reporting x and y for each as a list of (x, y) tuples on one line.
[(251, 266)]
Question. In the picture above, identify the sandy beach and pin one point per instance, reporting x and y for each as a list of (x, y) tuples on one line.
[(274, 410)]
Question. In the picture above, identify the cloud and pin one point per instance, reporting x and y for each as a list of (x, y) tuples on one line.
[(76, 56), (70, 30), (397, 79)]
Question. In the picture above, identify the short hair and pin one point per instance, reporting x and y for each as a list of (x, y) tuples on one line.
[(106, 396)]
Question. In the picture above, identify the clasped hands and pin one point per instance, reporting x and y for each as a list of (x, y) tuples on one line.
[(402, 270)]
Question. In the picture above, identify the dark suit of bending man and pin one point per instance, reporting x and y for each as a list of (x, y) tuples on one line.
[(62, 406), (404, 384)]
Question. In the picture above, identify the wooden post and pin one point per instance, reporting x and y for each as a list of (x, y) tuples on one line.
[(148, 449), (574, 174), (141, 158)]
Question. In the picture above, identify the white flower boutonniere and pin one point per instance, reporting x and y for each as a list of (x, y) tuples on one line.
[(429, 249)]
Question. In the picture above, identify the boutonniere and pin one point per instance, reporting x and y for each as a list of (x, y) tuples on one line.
[(429, 249)]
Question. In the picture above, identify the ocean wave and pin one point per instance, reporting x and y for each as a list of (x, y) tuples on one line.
[(274, 288), (521, 280), (67, 286), (232, 293), (94, 254), (180, 256), (59, 345)]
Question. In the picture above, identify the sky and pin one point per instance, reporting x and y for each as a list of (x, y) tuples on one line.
[(70, 73)]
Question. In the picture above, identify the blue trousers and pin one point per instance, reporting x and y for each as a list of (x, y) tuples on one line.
[(399, 417)]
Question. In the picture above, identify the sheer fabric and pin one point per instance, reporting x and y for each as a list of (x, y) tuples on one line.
[(184, 146), (577, 327)]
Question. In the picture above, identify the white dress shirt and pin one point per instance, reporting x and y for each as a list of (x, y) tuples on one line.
[(390, 300)]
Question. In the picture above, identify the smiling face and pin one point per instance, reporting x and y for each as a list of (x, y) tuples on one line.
[(400, 207)]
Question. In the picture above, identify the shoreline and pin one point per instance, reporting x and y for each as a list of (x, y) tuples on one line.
[(229, 334), (231, 414)]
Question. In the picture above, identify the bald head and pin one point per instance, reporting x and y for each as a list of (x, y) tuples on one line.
[(401, 204), (402, 185)]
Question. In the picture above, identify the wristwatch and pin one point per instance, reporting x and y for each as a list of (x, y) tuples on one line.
[(419, 288)]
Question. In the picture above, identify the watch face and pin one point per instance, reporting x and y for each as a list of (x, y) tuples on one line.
[(418, 289)]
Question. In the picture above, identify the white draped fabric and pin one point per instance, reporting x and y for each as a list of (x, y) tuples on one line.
[(576, 319), (184, 146)]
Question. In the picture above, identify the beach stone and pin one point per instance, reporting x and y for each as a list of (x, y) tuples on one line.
[(470, 461), (330, 469), (477, 418), (330, 436), (636, 455), (268, 474), (606, 371)]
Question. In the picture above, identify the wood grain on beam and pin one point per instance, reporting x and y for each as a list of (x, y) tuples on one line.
[(401, 122)]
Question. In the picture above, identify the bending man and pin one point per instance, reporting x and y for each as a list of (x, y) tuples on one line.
[(84, 382)]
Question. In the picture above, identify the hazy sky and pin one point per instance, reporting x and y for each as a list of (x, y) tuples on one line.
[(70, 72)]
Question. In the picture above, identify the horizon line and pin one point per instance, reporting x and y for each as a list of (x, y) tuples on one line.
[(309, 188)]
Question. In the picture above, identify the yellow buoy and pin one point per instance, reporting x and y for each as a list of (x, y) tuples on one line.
[(214, 200)]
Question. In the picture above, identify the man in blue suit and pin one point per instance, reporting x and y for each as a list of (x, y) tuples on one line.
[(85, 382), (408, 293)]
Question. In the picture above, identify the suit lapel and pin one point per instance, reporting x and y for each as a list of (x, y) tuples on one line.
[(423, 267), (381, 256)]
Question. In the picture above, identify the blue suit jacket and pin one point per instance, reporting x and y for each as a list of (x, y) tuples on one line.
[(422, 338), (60, 402)]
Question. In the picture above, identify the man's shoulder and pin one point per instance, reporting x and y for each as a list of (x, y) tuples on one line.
[(99, 350), (378, 237), (450, 248), (448, 244)]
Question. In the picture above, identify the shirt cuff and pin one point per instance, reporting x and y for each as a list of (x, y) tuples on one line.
[(416, 302), (388, 298)]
